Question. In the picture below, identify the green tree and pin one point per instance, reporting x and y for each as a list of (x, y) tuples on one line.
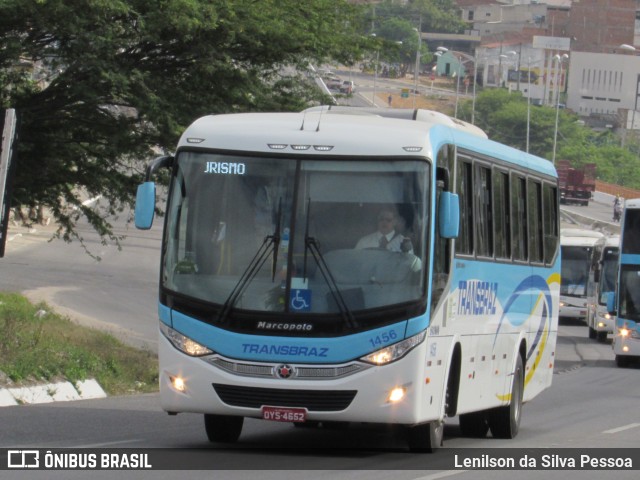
[(503, 116), (400, 44), (111, 82), (428, 15)]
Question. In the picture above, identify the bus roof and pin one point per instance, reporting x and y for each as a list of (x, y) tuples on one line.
[(332, 130), (575, 237), (612, 241), (632, 203)]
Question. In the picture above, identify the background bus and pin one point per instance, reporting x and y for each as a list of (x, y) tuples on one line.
[(600, 321), (270, 309), (580, 255), (626, 341)]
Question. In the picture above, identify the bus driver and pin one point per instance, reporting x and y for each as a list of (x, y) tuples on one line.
[(388, 237)]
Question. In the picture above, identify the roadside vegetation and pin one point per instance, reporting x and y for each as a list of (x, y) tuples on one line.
[(503, 115), (37, 345)]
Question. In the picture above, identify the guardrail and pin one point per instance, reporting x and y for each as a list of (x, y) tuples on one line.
[(612, 189)]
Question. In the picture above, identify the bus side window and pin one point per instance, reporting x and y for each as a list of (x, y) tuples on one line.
[(502, 218), (535, 221), (551, 236), (519, 218), (464, 189), (442, 247), (484, 209)]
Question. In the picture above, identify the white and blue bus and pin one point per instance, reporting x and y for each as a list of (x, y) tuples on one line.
[(626, 300), (580, 251), (599, 320), (278, 303)]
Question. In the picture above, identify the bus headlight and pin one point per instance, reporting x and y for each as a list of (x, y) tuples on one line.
[(394, 352), (624, 332), (182, 343)]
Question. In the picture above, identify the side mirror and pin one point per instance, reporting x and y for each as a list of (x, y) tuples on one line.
[(146, 194), (449, 215), (145, 205), (611, 303)]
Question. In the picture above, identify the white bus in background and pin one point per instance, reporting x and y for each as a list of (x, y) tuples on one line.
[(626, 340), (600, 322), (580, 254)]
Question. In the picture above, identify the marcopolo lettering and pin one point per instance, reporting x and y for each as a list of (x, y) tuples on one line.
[(291, 327), (225, 168)]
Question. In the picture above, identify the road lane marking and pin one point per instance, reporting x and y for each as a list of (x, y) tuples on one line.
[(623, 428), (110, 444), (436, 476)]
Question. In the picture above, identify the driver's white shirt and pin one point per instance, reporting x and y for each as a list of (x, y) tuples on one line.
[(373, 241)]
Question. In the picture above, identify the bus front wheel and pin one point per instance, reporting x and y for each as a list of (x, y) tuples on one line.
[(223, 428), (474, 424), (504, 422), (426, 437)]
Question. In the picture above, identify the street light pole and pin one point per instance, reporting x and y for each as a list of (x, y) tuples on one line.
[(455, 114), (375, 79), (417, 68), (560, 60), (475, 77), (528, 100)]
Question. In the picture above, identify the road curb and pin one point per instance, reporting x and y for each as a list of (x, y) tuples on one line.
[(51, 392)]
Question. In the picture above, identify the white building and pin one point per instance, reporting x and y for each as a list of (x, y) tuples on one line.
[(605, 84)]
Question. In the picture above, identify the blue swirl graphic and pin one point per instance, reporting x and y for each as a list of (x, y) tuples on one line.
[(534, 282)]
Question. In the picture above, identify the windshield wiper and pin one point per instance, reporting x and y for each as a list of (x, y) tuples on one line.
[(269, 245), (311, 245)]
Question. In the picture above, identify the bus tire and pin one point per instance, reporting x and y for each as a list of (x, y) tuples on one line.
[(474, 424), (504, 422), (427, 437), (592, 333), (622, 361), (223, 428)]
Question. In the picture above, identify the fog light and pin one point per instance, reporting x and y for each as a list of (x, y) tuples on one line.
[(600, 324), (396, 394), (625, 348), (179, 384)]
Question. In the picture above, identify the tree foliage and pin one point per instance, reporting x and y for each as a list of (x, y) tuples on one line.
[(107, 83), (397, 24), (503, 115)]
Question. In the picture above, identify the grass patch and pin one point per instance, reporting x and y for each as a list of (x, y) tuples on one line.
[(38, 345)]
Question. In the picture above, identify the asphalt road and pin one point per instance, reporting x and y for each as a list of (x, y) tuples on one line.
[(591, 404), (116, 293)]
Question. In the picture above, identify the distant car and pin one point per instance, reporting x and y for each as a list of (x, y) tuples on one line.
[(334, 83), (347, 87)]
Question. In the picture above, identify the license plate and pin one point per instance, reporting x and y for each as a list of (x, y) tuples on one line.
[(284, 414)]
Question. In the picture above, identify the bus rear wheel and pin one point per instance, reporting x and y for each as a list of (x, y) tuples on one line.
[(223, 428), (504, 422), (622, 361), (426, 437), (474, 425)]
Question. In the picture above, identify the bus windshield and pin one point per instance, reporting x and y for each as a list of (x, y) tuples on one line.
[(608, 274), (575, 270), (630, 293), (296, 236)]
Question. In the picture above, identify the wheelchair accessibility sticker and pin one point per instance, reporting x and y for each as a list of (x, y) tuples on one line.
[(300, 300)]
